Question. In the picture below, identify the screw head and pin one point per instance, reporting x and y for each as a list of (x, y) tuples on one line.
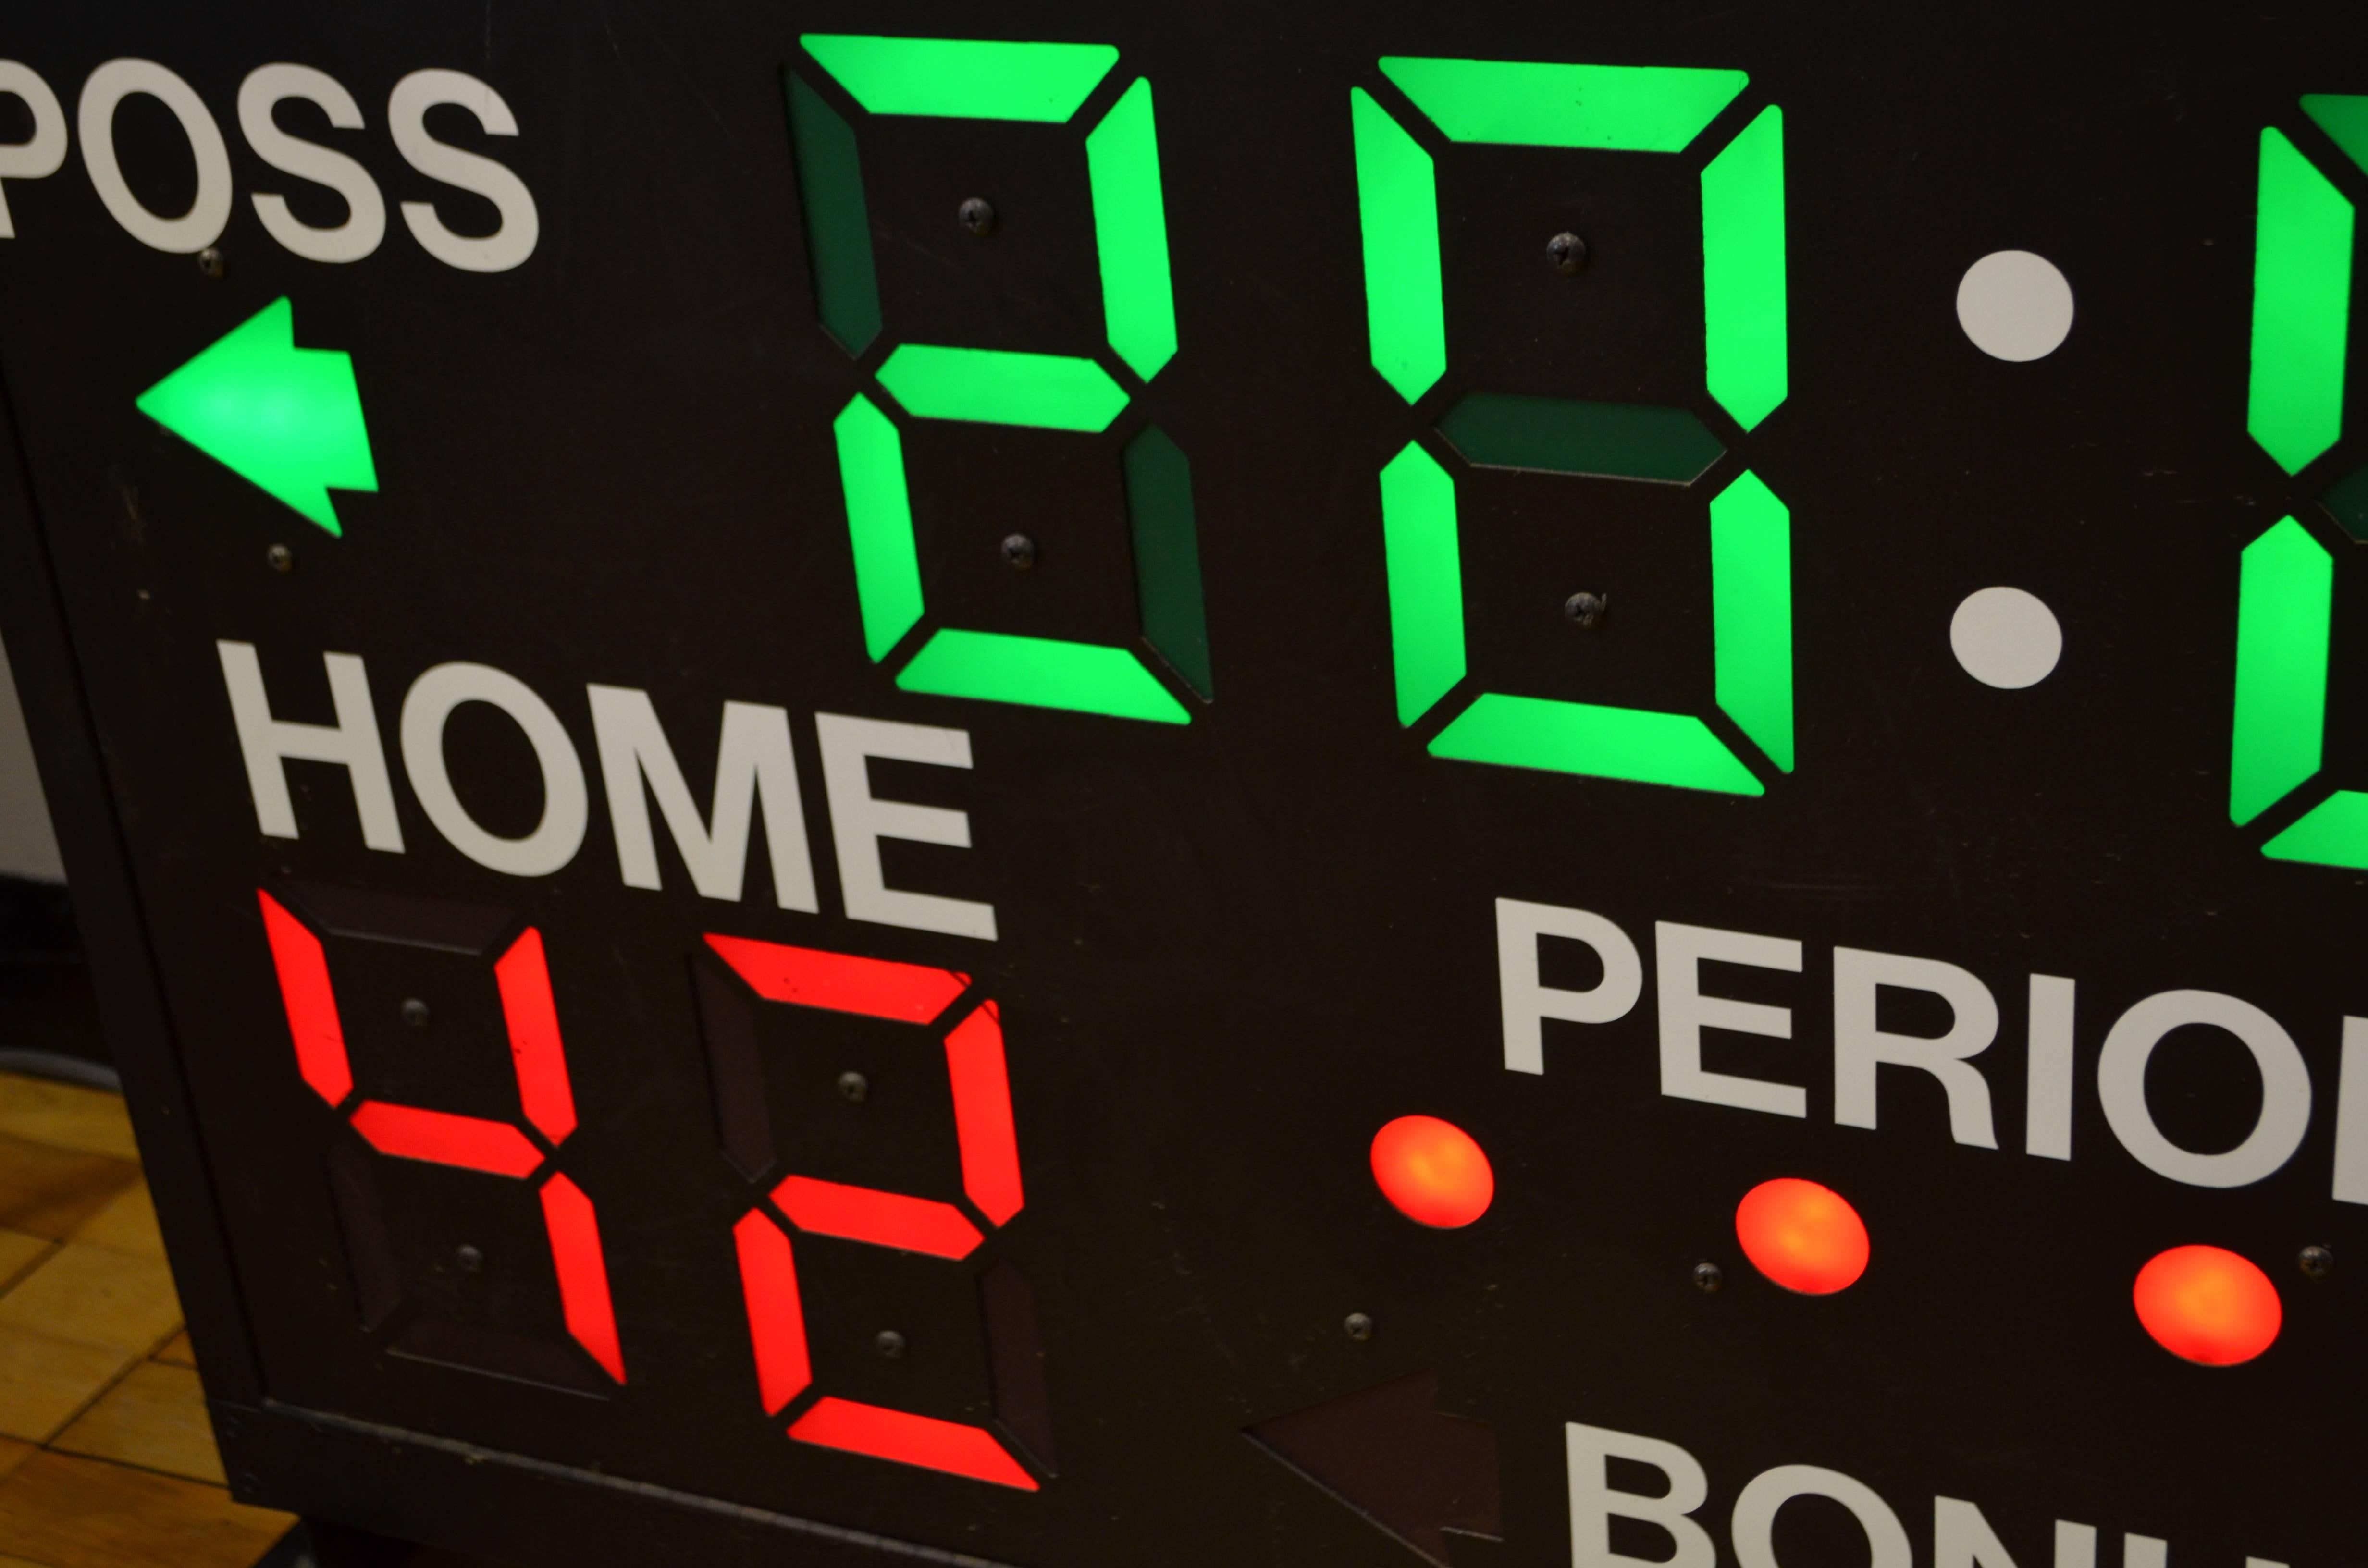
[(853, 1087), (2318, 1262), (1586, 610), (414, 1013), (1358, 1326), (1568, 252), (281, 558), (471, 1260), (1018, 551), (977, 215), (210, 263), (1709, 1278), (889, 1343)]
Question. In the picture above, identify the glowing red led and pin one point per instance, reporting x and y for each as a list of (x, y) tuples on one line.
[(574, 1232), (883, 1218), (1433, 1172), (471, 1142), (842, 982), (2208, 1305), (990, 1150), (439, 1137), (535, 1049), (908, 1439), (310, 1003), (777, 1319), (1804, 1237)]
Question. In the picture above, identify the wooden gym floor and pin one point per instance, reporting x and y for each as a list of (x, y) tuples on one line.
[(106, 1460)]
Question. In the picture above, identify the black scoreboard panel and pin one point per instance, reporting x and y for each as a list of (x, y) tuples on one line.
[(789, 731)]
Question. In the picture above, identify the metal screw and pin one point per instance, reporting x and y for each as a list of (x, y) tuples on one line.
[(209, 261), (853, 1087), (1018, 551), (2318, 1262), (282, 559), (471, 1260), (414, 1013), (1359, 1326), (1568, 254), (1585, 610), (889, 1343), (977, 215), (1709, 1278)]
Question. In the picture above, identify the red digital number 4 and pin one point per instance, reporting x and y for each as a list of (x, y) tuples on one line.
[(470, 1142)]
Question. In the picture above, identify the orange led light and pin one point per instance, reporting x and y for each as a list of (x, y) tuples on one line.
[(1433, 1172), (2208, 1305), (1804, 1237)]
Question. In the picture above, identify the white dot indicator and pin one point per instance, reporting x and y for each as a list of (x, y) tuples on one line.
[(2015, 305), (2005, 638)]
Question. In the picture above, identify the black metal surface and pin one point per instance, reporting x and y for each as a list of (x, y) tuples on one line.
[(1229, 951)]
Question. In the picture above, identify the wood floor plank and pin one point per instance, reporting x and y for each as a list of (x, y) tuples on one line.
[(18, 1252), (127, 1223), (178, 1351), (65, 1115), (69, 1512), (45, 1383), (54, 1192), (154, 1418), (91, 1295)]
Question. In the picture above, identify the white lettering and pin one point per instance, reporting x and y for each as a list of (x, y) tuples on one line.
[(426, 709), (108, 86), (1755, 1508), (265, 88), (1526, 1002), (513, 240), (352, 742), (2352, 1116), (858, 821), (753, 764), (1593, 1503), (2047, 1105), (45, 152), (2285, 1088), (1860, 1047), (1686, 1012)]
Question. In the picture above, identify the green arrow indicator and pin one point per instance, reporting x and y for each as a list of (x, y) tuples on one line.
[(285, 418)]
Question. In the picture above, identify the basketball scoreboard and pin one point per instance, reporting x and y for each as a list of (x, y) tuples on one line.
[(1355, 785)]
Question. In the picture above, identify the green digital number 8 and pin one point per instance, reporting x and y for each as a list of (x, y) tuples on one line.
[(968, 79), (2301, 300), (1618, 109)]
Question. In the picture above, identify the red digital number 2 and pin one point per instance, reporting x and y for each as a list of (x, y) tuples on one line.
[(912, 994), (497, 1148)]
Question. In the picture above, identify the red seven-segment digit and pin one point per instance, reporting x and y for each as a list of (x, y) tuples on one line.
[(989, 1149), (471, 1142)]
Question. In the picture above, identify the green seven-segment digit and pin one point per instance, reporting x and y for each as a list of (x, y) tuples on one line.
[(2285, 610), (1130, 234), (1426, 575), (879, 524), (975, 79), (2302, 299), (2302, 307), (1397, 209), (961, 78), (1621, 108), (1744, 347)]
